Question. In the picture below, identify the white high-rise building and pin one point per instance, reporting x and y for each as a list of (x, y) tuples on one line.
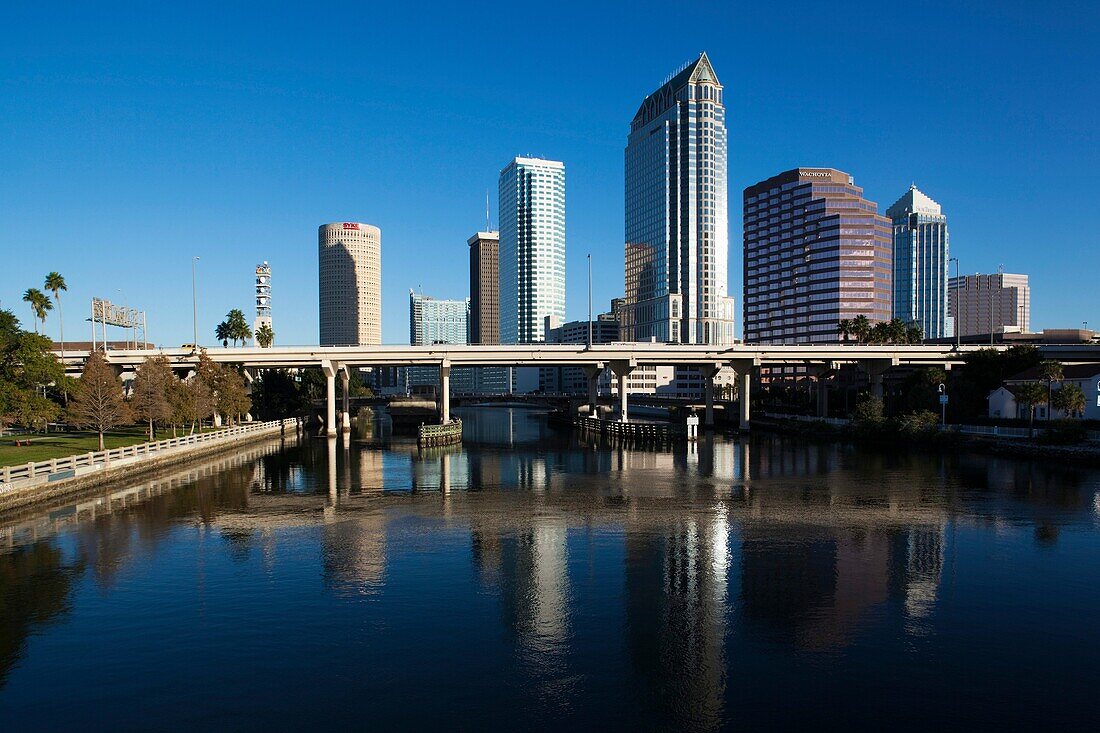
[(263, 300), (532, 248), (350, 284), (677, 238)]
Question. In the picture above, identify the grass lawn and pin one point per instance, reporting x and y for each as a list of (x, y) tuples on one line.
[(43, 447)]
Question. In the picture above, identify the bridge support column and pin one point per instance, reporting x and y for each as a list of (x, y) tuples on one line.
[(708, 373), (875, 369), (445, 392), (592, 373), (330, 397), (746, 398), (745, 370), (820, 390), (345, 416), (622, 369)]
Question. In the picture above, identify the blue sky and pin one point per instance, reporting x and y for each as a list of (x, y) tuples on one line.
[(133, 136)]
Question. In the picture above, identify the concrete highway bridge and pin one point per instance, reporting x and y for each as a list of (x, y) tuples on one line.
[(620, 358)]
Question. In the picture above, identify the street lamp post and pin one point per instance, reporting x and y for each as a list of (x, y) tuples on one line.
[(589, 300), (958, 310), (194, 305)]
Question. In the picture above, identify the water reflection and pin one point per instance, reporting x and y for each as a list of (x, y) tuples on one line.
[(599, 579)]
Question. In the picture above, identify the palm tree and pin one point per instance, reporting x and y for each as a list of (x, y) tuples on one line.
[(845, 328), (265, 336), (1050, 371), (234, 328), (1028, 395), (40, 305), (221, 332), (896, 331), (861, 327), (1070, 399), (914, 334), (879, 333), (56, 283)]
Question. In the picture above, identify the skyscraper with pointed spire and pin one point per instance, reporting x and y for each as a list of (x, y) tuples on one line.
[(920, 263), (677, 240)]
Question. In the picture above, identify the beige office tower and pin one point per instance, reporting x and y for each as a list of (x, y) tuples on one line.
[(997, 303), (350, 284)]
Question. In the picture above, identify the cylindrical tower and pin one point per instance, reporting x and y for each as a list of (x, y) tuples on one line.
[(350, 280)]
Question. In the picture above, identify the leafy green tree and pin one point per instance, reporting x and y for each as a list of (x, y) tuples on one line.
[(869, 411), (1028, 395), (226, 385), (55, 283), (1050, 371), (922, 388), (982, 372), (190, 401), (265, 336), (27, 368), (1070, 399), (152, 383), (233, 400), (277, 394), (97, 401)]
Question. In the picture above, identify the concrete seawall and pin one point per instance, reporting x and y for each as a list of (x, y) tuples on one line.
[(18, 497)]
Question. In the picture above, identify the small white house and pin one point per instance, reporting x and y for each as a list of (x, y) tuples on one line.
[(1002, 401)]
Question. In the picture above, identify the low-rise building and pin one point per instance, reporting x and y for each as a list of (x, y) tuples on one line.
[(1003, 403)]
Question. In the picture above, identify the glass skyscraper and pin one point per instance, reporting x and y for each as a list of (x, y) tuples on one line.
[(532, 248), (677, 239), (434, 321), (920, 264)]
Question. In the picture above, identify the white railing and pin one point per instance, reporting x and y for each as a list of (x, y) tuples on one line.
[(60, 468), (807, 418), (993, 431)]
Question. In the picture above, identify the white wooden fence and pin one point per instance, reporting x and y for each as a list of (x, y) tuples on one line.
[(56, 469)]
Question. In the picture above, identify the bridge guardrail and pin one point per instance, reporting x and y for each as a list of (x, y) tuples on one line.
[(55, 469)]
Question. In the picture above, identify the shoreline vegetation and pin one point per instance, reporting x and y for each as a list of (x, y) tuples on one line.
[(1064, 440)]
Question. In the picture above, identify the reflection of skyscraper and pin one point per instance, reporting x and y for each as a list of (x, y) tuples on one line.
[(677, 601), (924, 558), (534, 588), (354, 554)]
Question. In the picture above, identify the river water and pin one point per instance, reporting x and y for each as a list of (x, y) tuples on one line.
[(532, 579)]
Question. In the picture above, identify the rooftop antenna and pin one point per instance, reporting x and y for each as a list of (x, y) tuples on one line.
[(488, 228)]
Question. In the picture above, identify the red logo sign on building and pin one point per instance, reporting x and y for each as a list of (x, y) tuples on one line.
[(350, 225)]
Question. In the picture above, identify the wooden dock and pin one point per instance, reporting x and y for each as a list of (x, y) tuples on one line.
[(435, 435), (641, 431)]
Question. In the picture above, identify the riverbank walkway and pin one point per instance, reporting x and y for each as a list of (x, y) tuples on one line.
[(52, 472)]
